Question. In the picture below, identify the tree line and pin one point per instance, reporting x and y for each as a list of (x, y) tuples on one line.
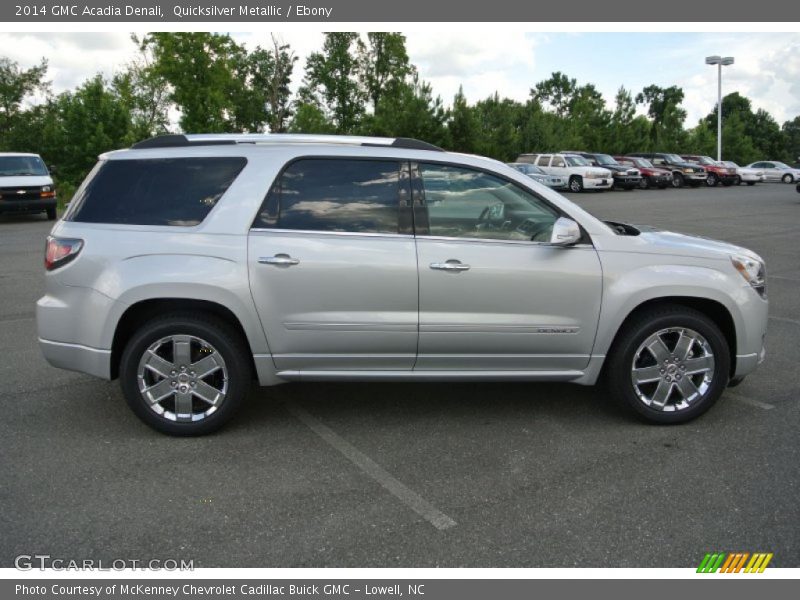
[(355, 84)]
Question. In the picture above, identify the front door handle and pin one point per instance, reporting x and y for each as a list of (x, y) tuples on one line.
[(450, 265), (279, 259)]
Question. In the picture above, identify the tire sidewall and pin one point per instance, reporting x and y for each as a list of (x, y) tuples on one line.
[(633, 338), (224, 340)]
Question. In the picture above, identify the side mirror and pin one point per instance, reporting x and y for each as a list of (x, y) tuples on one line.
[(565, 232)]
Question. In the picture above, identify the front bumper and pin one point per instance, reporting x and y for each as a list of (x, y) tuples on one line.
[(659, 180), (9, 206), (627, 181), (597, 184)]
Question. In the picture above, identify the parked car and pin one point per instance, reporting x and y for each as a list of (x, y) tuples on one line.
[(716, 173), (625, 177), (537, 174), (745, 174), (579, 173), (776, 171), (651, 176), (683, 173), (26, 185), (187, 265)]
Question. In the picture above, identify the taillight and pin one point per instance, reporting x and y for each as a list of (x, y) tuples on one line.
[(60, 251)]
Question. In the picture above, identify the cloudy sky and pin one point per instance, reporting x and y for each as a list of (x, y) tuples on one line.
[(767, 68)]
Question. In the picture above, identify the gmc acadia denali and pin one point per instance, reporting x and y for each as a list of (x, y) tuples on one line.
[(188, 265)]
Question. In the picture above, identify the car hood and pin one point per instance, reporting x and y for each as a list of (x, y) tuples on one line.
[(25, 181), (680, 244)]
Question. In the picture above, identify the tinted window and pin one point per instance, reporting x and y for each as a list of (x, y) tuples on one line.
[(335, 195), (174, 191), (466, 203)]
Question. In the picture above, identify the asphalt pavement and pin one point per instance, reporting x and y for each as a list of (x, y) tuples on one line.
[(413, 475)]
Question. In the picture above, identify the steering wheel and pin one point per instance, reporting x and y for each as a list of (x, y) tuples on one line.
[(534, 230), (493, 212)]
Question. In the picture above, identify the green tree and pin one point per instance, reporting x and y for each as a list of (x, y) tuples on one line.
[(791, 137), (383, 65), (556, 92), (667, 115), (204, 72), (332, 77), (16, 85), (463, 126)]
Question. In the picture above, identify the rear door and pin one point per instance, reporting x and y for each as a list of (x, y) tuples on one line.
[(492, 295), (333, 266)]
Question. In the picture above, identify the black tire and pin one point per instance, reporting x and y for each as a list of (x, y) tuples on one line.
[(751, 183), (219, 334), (787, 178), (712, 180), (677, 180), (51, 214), (576, 183), (632, 335), (738, 181)]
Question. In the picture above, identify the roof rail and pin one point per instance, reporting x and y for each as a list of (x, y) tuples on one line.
[(211, 139)]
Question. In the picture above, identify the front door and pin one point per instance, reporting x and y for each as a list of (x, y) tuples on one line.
[(492, 295), (333, 266)]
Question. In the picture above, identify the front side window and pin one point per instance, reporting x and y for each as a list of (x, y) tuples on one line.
[(332, 194), (466, 203), (168, 191)]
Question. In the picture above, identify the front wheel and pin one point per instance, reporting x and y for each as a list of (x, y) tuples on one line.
[(677, 180), (644, 183), (185, 373), (669, 364), (711, 180), (737, 181), (576, 184)]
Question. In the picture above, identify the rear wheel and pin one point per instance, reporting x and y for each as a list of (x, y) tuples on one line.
[(576, 183), (669, 364), (787, 178), (185, 373), (677, 180), (737, 181)]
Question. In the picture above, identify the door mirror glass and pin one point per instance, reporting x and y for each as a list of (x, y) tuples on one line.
[(565, 232)]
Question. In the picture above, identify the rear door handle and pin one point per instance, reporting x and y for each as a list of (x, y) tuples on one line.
[(279, 259), (450, 265)]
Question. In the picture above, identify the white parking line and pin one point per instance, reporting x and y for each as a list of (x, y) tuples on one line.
[(410, 498), (785, 320), (750, 401)]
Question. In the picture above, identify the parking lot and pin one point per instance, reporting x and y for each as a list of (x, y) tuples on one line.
[(414, 475)]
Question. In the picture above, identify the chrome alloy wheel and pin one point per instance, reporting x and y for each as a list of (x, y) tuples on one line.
[(672, 369), (182, 378)]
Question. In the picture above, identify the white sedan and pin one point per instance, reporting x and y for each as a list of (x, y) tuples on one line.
[(746, 175), (777, 171)]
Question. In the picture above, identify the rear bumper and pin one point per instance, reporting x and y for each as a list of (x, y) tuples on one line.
[(74, 357), (27, 205)]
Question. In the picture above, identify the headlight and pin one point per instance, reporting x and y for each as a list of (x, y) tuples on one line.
[(688, 170), (753, 271)]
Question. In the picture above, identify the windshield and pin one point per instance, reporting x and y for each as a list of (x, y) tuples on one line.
[(528, 169), (577, 161), (21, 165), (706, 160), (643, 162), (674, 158), (605, 159), (730, 163)]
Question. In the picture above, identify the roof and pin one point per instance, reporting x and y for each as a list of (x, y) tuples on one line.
[(18, 154), (215, 139)]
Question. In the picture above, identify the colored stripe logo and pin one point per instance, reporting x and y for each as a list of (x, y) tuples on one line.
[(734, 562)]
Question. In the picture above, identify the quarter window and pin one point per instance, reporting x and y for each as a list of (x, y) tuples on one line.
[(466, 203), (174, 191), (360, 196)]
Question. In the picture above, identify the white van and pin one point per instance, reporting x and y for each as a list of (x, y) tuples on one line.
[(579, 173), (26, 185)]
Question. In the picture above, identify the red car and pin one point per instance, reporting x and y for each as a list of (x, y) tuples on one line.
[(717, 173), (651, 176)]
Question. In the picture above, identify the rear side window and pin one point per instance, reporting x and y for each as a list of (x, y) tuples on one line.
[(174, 191), (321, 194)]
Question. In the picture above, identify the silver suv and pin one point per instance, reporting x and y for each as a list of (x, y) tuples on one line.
[(188, 265)]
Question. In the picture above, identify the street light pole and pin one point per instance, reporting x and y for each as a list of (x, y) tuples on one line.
[(720, 62)]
